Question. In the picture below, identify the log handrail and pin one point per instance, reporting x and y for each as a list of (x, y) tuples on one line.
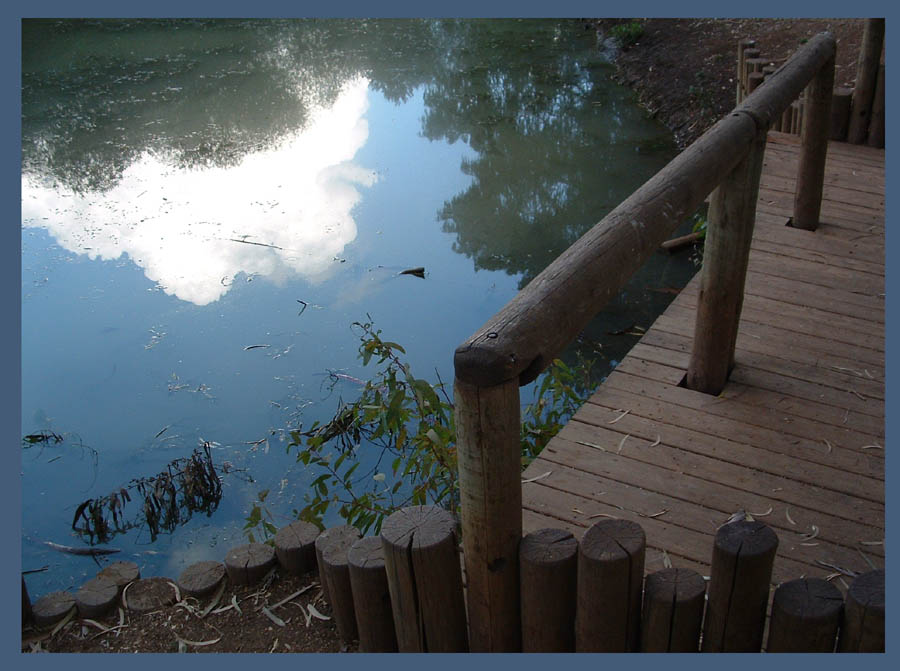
[(521, 340)]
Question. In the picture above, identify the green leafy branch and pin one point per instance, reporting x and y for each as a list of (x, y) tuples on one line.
[(395, 445)]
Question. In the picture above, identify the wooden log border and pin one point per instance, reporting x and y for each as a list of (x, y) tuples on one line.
[(576, 594)]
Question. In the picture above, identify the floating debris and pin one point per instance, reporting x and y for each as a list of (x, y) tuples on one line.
[(155, 338), (415, 272), (633, 330), (44, 437), (258, 244), (248, 347), (91, 552)]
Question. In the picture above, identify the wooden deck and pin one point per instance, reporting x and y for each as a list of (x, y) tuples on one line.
[(796, 438)]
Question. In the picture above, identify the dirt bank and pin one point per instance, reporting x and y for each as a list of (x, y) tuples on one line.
[(683, 70)]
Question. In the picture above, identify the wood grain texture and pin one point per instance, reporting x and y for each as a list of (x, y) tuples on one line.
[(549, 571), (796, 437), (424, 578)]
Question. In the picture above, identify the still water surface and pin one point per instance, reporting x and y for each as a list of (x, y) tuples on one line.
[(191, 189)]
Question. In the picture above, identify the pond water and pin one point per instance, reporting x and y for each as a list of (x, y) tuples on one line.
[(209, 206)]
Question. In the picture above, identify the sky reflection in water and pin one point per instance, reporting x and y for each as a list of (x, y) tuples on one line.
[(280, 211)]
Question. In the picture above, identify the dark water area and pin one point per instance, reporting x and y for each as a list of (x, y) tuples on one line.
[(209, 206)]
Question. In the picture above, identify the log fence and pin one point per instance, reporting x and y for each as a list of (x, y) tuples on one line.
[(406, 592), (857, 114)]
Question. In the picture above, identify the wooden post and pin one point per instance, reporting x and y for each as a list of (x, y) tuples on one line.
[(332, 546), (549, 574), (371, 596), (732, 211), (840, 114), (816, 128), (248, 564), (610, 577), (295, 547), (796, 116), (424, 579), (876, 123), (741, 571), (743, 45), (673, 611), (866, 79), (786, 117), (863, 626), (754, 65), (490, 484), (27, 615), (748, 55), (754, 79), (806, 615)]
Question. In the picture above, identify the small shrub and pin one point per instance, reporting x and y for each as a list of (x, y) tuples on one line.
[(395, 446), (627, 34)]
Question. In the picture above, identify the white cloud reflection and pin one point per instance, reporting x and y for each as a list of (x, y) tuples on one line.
[(184, 227)]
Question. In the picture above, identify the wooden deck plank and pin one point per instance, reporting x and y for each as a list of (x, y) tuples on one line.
[(806, 418), (796, 436)]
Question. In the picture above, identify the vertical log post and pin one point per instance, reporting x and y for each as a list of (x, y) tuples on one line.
[(796, 112), (743, 45), (840, 114), (863, 626), (549, 572), (610, 578), (866, 80), (806, 615), (332, 546), (743, 555), (490, 484), (673, 611), (876, 123), (732, 211), (424, 580), (371, 596), (816, 128), (27, 615), (295, 547), (786, 119), (749, 54)]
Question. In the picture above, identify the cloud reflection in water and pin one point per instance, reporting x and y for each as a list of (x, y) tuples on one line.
[(279, 212)]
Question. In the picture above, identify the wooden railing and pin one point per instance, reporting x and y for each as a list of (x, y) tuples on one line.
[(521, 340), (857, 114)]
